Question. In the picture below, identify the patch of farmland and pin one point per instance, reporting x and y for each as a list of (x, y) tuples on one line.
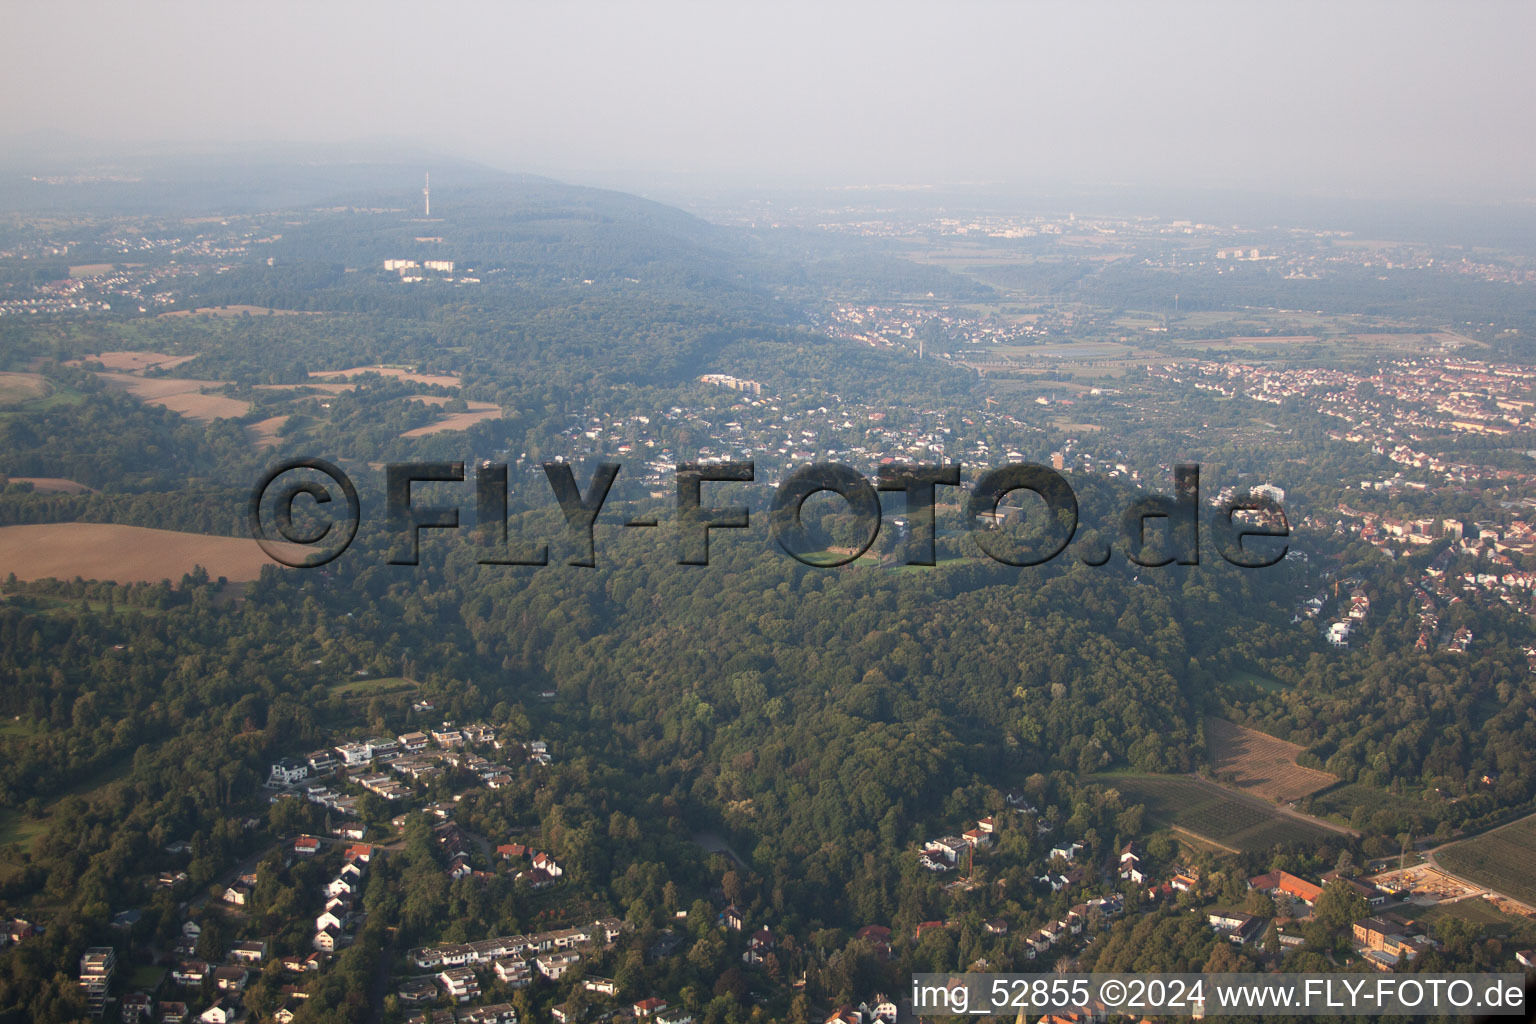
[(135, 362), (391, 371), (1220, 816), (1261, 764), (16, 388), (1504, 860), (478, 413), (127, 554), (179, 394)]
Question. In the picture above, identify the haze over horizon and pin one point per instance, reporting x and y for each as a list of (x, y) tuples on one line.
[(1317, 101)]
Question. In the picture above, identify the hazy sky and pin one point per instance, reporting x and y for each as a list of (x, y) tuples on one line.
[(1339, 97)]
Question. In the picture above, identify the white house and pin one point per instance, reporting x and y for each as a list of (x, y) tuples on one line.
[(287, 771)]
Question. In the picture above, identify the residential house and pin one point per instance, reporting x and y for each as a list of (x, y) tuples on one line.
[(221, 1012), (1067, 851), (286, 772), (189, 973), (1284, 882), (354, 753), (554, 965), (231, 978), (877, 936), (459, 983), (327, 940), (250, 951), (512, 972)]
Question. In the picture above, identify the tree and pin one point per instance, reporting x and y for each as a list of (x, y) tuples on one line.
[(1339, 906)]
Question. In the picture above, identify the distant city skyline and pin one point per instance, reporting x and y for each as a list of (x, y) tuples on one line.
[(1373, 99)]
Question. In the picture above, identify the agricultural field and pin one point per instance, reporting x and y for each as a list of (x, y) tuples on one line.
[(396, 372), (1211, 813), (1502, 860), (50, 484), (91, 269), (126, 554), (237, 310), (264, 433), (16, 388), (478, 413), (1261, 764), (135, 362), (181, 395), (1484, 913), (1342, 802)]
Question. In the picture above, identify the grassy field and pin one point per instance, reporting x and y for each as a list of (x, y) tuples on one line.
[(104, 551), (374, 687), (1504, 859), (1263, 682), (16, 827), (1219, 816), (146, 977), (1261, 764), (18, 727)]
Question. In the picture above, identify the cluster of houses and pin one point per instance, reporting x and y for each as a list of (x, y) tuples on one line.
[(412, 756), (1384, 940), (946, 852), (1355, 611), (514, 960), (879, 1010), (1061, 931), (1057, 878), (654, 1010), (497, 1013), (487, 951), (542, 871), (335, 924), (229, 980)]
